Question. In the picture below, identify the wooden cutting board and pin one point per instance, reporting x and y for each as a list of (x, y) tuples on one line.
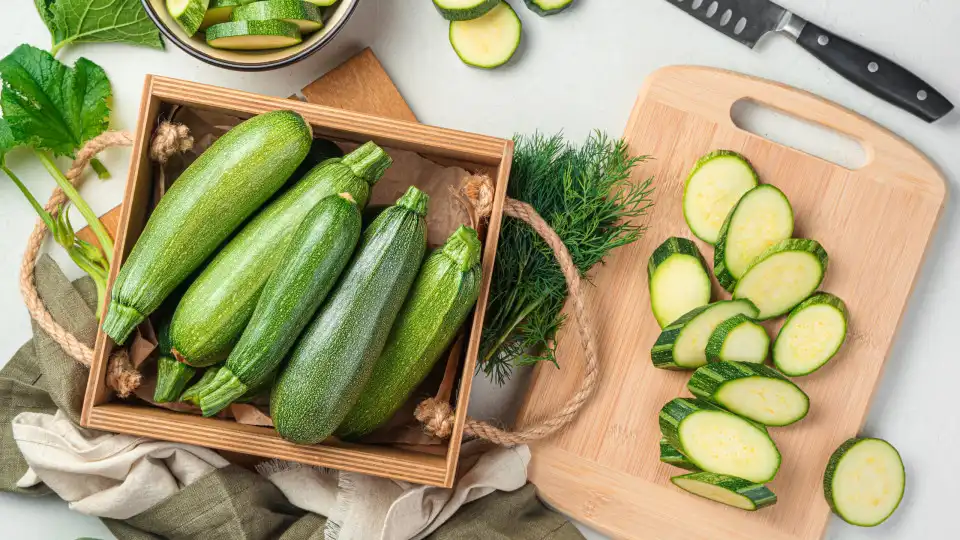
[(875, 223)]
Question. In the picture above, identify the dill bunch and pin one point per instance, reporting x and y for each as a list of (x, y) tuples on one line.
[(586, 196)]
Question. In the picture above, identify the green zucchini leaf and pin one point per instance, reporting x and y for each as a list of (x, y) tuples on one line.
[(98, 21), (7, 141)]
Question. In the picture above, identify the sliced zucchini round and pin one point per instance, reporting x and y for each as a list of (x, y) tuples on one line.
[(783, 276), (718, 441), (488, 41), (678, 279), (672, 456), (864, 481), (717, 182), (753, 391), (219, 11), (811, 335), (188, 13), (728, 490), (761, 218), (323, 3), (548, 7), (464, 10), (253, 35), (306, 16), (682, 344), (738, 339)]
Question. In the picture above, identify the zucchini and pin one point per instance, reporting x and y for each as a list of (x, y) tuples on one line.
[(305, 15), (864, 481), (464, 10), (754, 391), (728, 490), (783, 276), (217, 306), (678, 279), (488, 41), (444, 293), (738, 339), (218, 12), (253, 35), (172, 376), (317, 253), (323, 3), (718, 441), (188, 13), (672, 456), (714, 186), (207, 203), (761, 218), (682, 345), (811, 335), (548, 7), (192, 394), (332, 361)]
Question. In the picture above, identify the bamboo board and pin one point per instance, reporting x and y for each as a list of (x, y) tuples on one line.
[(875, 222)]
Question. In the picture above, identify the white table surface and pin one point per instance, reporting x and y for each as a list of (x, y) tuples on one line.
[(576, 72)]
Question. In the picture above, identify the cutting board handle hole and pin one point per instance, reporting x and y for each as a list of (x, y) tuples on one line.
[(809, 137)]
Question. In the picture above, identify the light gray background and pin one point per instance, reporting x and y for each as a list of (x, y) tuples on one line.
[(576, 72)]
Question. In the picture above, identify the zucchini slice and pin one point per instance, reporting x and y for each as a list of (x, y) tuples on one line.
[(718, 441), (253, 35), (717, 182), (728, 490), (548, 7), (464, 10), (672, 456), (306, 16), (864, 481), (753, 391), (323, 3), (188, 13), (219, 11), (783, 276), (682, 345), (738, 339), (678, 280), (811, 335), (761, 218), (488, 41)]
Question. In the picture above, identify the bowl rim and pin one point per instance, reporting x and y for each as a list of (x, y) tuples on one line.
[(237, 66)]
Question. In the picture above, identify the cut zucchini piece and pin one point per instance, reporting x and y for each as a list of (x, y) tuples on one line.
[(718, 441), (811, 335), (761, 218), (323, 3), (728, 490), (188, 14), (306, 16), (717, 182), (682, 345), (783, 276), (672, 456), (753, 391), (864, 481), (738, 339), (678, 280), (488, 41), (464, 10), (218, 12), (548, 7), (253, 35)]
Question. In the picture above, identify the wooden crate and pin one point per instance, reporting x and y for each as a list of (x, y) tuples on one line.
[(476, 153)]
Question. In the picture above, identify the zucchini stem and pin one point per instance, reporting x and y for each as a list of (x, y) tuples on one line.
[(221, 392), (38, 208), (172, 378), (100, 169)]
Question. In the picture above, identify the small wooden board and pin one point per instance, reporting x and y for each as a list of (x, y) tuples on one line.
[(875, 222)]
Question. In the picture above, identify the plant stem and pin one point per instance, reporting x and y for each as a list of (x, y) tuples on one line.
[(47, 220), (106, 243), (100, 169), (509, 330)]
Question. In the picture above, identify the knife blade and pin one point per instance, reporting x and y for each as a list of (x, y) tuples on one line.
[(746, 21)]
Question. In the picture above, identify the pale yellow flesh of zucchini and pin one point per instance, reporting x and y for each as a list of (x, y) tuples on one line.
[(768, 219), (780, 282), (488, 41), (868, 482), (690, 348), (712, 192), (253, 43), (809, 338), (746, 343), (765, 400), (678, 285), (715, 493), (726, 444)]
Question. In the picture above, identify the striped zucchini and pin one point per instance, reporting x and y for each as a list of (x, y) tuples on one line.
[(811, 335), (754, 391), (672, 456), (316, 255), (206, 204), (783, 276), (682, 345), (728, 490), (761, 218), (864, 481), (678, 279), (218, 305), (443, 295), (738, 339), (334, 357)]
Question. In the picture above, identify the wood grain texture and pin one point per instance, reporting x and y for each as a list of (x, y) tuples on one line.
[(875, 222)]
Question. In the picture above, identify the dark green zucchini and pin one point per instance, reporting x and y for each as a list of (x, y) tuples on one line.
[(333, 359)]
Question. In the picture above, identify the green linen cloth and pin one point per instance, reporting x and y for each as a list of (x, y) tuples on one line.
[(231, 502)]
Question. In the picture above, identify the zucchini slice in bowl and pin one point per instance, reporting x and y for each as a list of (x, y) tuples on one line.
[(682, 345), (717, 182), (253, 35), (864, 481), (783, 276), (811, 335), (728, 490), (678, 279), (305, 15), (753, 391)]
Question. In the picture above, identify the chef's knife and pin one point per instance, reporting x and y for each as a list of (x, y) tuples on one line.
[(748, 20)]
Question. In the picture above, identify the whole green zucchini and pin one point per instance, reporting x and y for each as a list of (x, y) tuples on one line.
[(443, 295), (318, 251), (334, 356), (172, 376), (215, 310), (216, 194)]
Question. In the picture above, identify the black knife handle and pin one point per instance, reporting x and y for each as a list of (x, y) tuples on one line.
[(874, 73)]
